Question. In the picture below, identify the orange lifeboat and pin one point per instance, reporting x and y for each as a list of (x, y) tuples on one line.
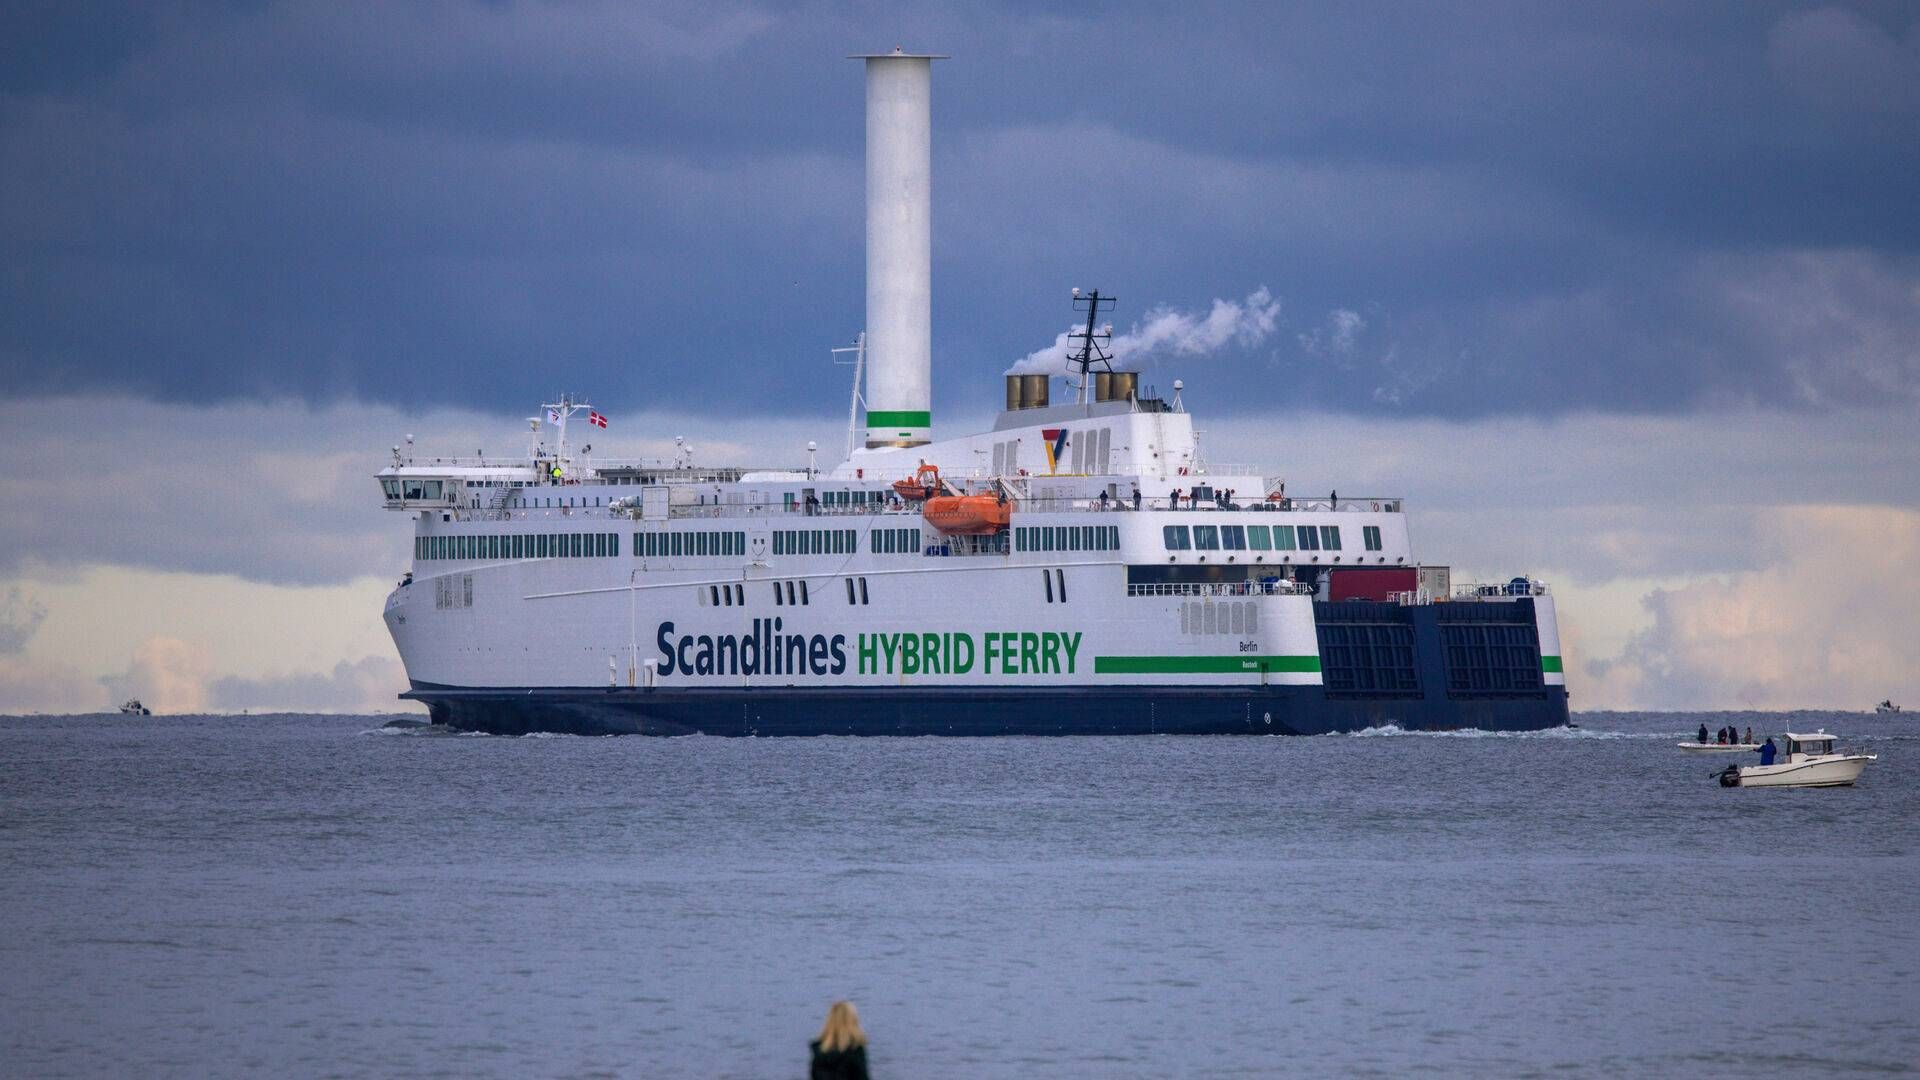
[(967, 515), (924, 484)]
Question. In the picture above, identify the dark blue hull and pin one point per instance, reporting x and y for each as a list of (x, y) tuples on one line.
[(1013, 710)]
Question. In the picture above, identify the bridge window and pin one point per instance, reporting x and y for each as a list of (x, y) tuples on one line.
[(1233, 537), (1330, 537), (1259, 538), (1371, 535), (1176, 536), (1309, 539), (1206, 537)]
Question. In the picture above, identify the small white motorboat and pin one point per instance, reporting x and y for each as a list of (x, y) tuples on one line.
[(1716, 747), (1886, 707), (1805, 761), (134, 708)]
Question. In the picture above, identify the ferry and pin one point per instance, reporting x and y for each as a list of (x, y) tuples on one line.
[(1081, 567)]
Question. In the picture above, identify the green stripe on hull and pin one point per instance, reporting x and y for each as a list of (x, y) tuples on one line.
[(1200, 665), (1550, 663), (899, 419)]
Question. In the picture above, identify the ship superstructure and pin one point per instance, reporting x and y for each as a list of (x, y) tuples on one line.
[(1078, 568)]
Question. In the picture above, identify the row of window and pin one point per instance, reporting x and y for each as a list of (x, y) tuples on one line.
[(885, 541), (669, 544), (1254, 537), (725, 596), (1069, 538), (815, 541), (518, 546), (896, 541)]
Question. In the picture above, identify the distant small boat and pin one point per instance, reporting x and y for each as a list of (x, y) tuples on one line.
[(1886, 706), (1808, 761), (1717, 747), (134, 708)]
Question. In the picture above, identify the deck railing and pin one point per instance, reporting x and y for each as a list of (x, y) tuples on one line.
[(1218, 588), (1505, 590)]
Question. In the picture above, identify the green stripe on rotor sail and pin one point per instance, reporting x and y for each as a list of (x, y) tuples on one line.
[(1550, 663), (899, 419), (1200, 665)]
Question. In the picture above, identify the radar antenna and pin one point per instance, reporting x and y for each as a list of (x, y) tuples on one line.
[(1091, 339)]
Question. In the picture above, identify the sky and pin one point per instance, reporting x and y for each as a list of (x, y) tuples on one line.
[(1624, 296)]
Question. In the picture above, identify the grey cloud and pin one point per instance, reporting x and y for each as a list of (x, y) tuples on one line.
[(1835, 57), (453, 204)]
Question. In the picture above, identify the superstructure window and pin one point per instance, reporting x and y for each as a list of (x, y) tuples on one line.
[(1370, 535), (1233, 537), (1259, 538), (1330, 537), (1309, 538), (1177, 537), (1206, 538)]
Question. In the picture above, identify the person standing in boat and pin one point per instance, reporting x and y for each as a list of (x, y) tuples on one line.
[(1749, 739), (1703, 734), (1767, 750)]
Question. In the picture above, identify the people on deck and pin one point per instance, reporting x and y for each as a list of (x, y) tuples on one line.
[(1703, 733), (1749, 738), (1136, 496), (1767, 751), (840, 1053)]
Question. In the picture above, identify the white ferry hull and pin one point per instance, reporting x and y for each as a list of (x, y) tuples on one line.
[(946, 650)]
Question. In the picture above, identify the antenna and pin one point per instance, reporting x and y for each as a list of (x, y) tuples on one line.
[(859, 351), (1090, 339)]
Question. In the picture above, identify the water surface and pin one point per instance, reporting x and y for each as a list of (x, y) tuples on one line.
[(304, 895)]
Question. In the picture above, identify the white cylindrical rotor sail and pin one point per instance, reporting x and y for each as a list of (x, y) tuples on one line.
[(899, 248)]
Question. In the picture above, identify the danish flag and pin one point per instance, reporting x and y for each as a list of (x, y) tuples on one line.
[(596, 419)]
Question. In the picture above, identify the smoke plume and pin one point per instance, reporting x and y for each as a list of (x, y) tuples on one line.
[(1167, 331)]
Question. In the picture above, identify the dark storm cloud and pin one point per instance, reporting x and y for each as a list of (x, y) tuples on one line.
[(1635, 208)]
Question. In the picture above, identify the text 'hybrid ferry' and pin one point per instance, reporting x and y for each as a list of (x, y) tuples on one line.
[(1078, 569)]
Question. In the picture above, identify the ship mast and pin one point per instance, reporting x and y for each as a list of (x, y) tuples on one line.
[(1090, 339)]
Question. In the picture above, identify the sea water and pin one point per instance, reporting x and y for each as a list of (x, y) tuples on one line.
[(318, 895)]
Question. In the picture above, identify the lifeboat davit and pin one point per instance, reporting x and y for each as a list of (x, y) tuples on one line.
[(923, 484), (967, 515)]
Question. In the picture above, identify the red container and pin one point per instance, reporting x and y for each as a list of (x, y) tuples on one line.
[(1371, 583)]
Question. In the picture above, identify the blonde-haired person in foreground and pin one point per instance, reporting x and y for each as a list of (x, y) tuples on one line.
[(840, 1053)]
